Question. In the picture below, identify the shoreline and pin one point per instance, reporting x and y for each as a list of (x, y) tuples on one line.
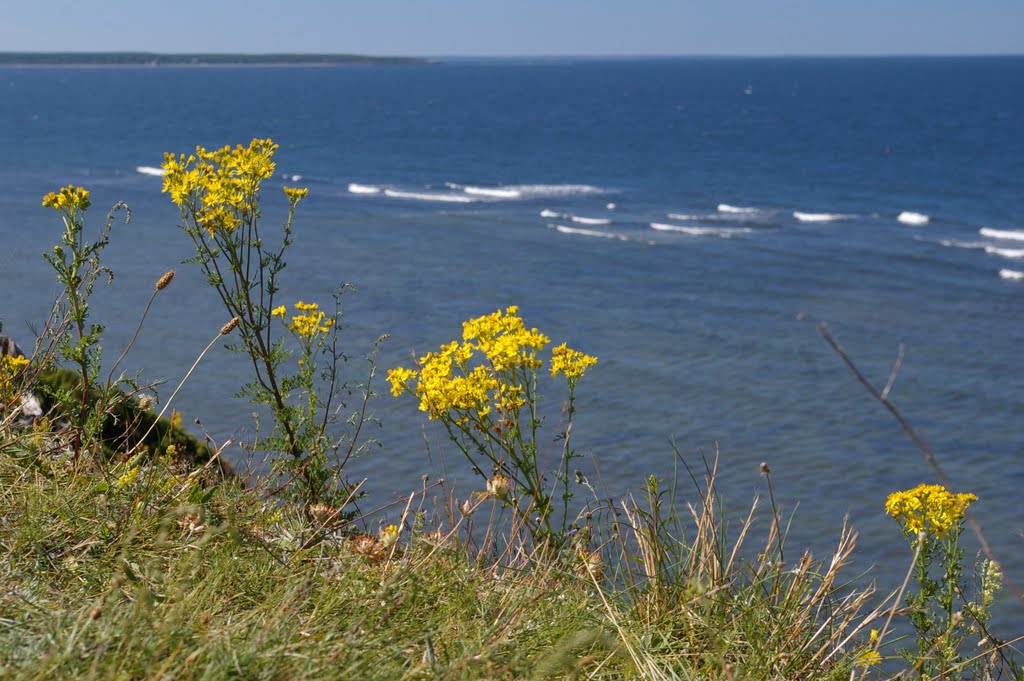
[(193, 60)]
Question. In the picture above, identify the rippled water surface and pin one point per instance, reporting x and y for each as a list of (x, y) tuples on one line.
[(684, 220)]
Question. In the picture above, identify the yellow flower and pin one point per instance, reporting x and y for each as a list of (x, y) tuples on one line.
[(68, 198), (295, 194), (572, 363), (928, 508), (127, 478), (279, 311), (399, 379), (313, 321), (218, 188), (388, 536), (504, 339), (10, 367)]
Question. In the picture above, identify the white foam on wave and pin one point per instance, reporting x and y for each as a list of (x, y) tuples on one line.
[(1013, 275), (726, 208), (543, 190), (1012, 253), (493, 192), (910, 218), (355, 188), (953, 243), (723, 232), (292, 178), (590, 221), (150, 170), (549, 214), (1011, 235), (819, 217), (428, 196), (586, 232)]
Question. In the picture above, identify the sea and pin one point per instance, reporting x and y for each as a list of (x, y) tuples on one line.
[(692, 222)]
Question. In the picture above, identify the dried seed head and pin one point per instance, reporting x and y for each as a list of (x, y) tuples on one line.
[(764, 468), (163, 281), (230, 326)]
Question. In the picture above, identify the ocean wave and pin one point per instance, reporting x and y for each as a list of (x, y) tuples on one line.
[(586, 232), (355, 188), (590, 221), (1012, 253), (1011, 274), (820, 217), (428, 196), (910, 218), (150, 170), (1010, 235), (537, 191), (724, 232), (726, 208), (549, 214), (494, 193), (953, 243), (292, 178)]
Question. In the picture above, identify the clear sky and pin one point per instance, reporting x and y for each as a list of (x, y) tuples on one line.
[(522, 27)]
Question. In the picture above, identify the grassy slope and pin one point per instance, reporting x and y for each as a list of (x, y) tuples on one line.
[(158, 572)]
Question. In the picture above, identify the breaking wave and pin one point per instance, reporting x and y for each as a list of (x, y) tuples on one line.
[(1011, 235), (549, 214), (489, 192), (911, 218), (723, 232), (363, 189), (150, 170), (590, 221), (1011, 274), (726, 208), (587, 232), (1012, 253), (428, 196), (820, 217)]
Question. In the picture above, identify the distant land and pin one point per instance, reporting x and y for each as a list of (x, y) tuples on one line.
[(198, 59)]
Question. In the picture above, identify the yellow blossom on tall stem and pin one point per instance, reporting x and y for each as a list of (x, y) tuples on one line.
[(484, 391), (68, 198), (311, 320), (928, 508)]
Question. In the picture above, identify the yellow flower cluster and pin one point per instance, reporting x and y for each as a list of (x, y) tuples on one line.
[(572, 363), (309, 321), (220, 186), (504, 339), (296, 194), (70, 197), (505, 347), (928, 508), (10, 366)]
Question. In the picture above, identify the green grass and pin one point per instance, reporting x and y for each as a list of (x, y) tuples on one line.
[(176, 573)]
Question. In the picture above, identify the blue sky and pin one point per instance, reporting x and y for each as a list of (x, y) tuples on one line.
[(523, 27)]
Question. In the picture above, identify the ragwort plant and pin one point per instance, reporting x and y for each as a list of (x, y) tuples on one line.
[(483, 390), (218, 193), (931, 519), (78, 266)]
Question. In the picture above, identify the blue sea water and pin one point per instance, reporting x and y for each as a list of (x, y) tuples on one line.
[(686, 220)]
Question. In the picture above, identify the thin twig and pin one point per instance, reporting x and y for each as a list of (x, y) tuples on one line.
[(922, 447)]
